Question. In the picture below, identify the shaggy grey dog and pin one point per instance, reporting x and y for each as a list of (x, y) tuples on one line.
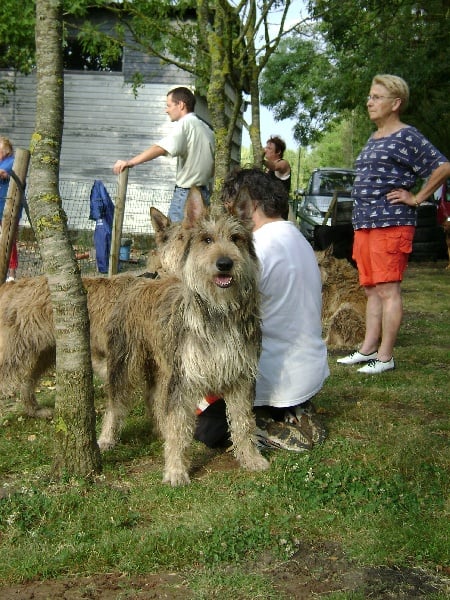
[(190, 335)]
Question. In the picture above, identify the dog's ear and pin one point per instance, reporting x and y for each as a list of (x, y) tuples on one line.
[(329, 250), (195, 207), (242, 205), (159, 221)]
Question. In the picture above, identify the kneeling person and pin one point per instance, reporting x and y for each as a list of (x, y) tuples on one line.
[(293, 364)]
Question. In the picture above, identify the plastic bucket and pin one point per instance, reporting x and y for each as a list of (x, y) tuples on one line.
[(125, 248)]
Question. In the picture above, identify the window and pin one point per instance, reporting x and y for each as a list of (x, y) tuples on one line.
[(77, 59)]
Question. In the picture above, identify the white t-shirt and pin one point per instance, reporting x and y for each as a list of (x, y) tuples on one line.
[(192, 142), (293, 364)]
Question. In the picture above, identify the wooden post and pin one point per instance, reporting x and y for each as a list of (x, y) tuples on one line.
[(331, 208), (119, 211), (10, 219)]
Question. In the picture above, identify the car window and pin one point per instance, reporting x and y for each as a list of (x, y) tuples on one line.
[(324, 183), (335, 181)]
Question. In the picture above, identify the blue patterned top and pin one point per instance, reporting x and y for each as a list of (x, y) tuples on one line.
[(394, 161)]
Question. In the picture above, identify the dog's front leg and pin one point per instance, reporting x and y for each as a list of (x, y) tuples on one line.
[(113, 419), (178, 431), (241, 421)]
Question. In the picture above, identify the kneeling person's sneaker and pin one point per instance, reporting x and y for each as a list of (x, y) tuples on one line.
[(281, 436), (375, 366), (356, 357), (304, 417)]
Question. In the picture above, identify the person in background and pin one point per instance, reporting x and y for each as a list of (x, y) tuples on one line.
[(277, 166), (293, 364), (6, 166), (384, 215), (191, 141)]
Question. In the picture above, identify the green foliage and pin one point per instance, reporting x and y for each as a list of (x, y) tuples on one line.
[(296, 84), (355, 41), (16, 36)]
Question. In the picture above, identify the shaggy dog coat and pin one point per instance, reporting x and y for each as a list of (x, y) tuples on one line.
[(343, 302), (190, 335)]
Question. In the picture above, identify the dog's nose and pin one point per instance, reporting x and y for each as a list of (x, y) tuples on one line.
[(224, 263)]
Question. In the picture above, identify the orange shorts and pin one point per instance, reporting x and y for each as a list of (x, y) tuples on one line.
[(382, 254)]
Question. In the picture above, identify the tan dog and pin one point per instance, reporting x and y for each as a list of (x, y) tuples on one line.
[(343, 302), (189, 335), (27, 333)]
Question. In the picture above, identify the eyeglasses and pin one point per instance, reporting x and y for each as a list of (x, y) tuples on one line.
[(376, 98)]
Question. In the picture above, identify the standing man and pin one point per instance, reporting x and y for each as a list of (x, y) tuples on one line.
[(192, 142)]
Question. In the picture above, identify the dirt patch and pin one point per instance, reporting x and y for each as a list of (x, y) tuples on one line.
[(102, 587), (314, 571), (318, 570)]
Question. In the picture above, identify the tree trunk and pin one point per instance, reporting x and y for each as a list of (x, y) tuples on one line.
[(76, 450)]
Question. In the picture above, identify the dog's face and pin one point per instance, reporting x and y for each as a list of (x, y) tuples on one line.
[(211, 251)]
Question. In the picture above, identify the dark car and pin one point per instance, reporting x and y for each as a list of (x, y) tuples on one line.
[(316, 205)]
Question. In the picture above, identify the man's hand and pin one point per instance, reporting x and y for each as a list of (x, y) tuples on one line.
[(119, 166)]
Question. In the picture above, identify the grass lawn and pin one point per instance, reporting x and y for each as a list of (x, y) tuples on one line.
[(366, 514)]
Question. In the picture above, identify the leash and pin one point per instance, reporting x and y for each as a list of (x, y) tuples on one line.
[(23, 199)]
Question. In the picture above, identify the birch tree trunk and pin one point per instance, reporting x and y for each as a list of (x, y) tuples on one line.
[(76, 450)]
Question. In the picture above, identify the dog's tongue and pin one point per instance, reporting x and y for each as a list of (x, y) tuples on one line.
[(223, 281)]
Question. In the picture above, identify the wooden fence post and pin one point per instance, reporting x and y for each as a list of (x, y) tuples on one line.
[(10, 219), (119, 210)]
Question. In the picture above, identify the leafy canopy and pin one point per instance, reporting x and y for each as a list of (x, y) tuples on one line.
[(319, 78)]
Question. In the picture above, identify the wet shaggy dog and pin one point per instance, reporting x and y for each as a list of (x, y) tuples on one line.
[(191, 334), (27, 333)]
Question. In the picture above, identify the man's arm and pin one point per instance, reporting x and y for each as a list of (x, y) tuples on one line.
[(149, 154)]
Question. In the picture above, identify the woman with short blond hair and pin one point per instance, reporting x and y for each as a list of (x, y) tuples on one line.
[(385, 215)]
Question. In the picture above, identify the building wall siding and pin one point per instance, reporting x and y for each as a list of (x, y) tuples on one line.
[(103, 121)]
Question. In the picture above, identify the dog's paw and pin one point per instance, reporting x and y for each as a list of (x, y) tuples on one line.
[(105, 444), (176, 478), (38, 413), (258, 463), (253, 461)]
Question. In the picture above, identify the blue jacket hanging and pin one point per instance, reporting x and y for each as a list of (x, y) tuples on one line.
[(102, 212)]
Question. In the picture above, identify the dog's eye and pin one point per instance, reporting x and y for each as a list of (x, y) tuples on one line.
[(236, 239), (208, 240)]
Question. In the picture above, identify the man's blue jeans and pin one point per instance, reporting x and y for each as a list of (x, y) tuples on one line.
[(176, 210)]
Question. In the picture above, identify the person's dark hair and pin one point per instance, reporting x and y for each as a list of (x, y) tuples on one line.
[(183, 94), (270, 194), (280, 145)]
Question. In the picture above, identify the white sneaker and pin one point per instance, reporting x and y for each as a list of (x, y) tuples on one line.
[(376, 366), (8, 279), (356, 357)]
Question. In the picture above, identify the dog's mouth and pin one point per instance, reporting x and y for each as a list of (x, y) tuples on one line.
[(223, 281)]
